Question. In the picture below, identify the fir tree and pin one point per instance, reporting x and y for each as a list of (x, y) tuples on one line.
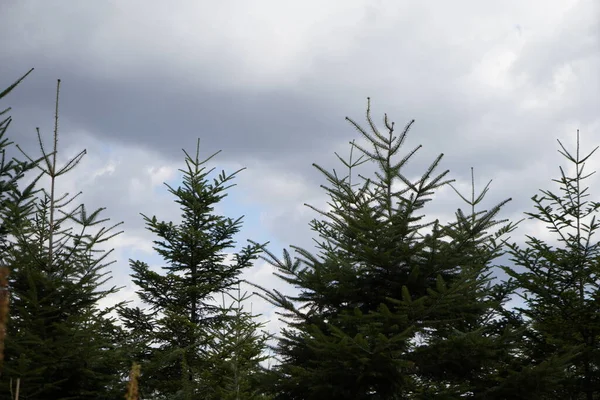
[(14, 204), (174, 337), (58, 341), (385, 279), (235, 352), (559, 283), (474, 349)]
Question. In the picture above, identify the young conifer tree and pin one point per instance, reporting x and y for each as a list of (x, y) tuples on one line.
[(558, 281), (385, 280), (472, 344), (58, 343), (173, 339), (15, 205), (12, 171), (235, 353)]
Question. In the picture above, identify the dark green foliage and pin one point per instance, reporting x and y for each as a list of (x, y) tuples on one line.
[(172, 341), (59, 344), (235, 353), (14, 203), (559, 284), (395, 307)]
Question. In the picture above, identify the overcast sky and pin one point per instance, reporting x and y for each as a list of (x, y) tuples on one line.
[(492, 85)]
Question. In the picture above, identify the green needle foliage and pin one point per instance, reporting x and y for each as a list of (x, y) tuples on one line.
[(172, 341), (14, 203), (393, 306), (58, 341), (235, 352), (558, 282)]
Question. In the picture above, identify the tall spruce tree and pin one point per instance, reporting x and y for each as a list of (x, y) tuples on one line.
[(394, 307), (559, 282), (58, 341), (173, 339)]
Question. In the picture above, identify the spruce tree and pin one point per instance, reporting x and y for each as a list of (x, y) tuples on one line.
[(235, 352), (474, 349), (558, 281), (14, 205), (58, 341), (392, 306), (172, 339)]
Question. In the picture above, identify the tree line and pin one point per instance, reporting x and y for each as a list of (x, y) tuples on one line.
[(391, 304)]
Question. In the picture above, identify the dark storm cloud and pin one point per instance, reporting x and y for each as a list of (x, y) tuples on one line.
[(167, 115), (154, 104)]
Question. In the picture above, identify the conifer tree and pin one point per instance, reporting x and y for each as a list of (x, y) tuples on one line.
[(235, 352), (58, 341), (14, 204), (172, 339), (474, 350), (558, 281), (385, 279)]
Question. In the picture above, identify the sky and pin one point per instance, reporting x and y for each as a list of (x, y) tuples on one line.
[(492, 85)]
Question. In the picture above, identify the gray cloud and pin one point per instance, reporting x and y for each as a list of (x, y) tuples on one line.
[(148, 77)]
